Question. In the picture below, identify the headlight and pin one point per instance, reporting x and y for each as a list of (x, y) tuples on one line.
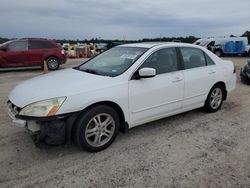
[(43, 108)]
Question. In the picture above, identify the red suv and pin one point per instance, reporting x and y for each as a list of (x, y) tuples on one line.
[(31, 52)]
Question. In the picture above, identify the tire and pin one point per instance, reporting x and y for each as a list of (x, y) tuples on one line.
[(53, 63), (214, 99), (244, 54), (90, 131), (218, 53), (244, 80)]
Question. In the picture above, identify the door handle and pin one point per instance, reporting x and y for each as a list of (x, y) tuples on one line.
[(177, 79), (211, 72)]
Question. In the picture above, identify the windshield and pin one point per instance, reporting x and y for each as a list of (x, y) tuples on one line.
[(113, 62), (204, 42), (4, 43)]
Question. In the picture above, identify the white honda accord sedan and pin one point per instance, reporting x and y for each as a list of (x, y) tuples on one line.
[(126, 86)]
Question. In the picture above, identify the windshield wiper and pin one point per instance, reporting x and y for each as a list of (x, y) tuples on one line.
[(89, 71)]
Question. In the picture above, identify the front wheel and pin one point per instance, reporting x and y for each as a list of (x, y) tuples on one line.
[(214, 99), (53, 63), (97, 128)]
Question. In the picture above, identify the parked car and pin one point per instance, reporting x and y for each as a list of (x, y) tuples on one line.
[(31, 52), (113, 44), (245, 73), (126, 86), (226, 45), (101, 47)]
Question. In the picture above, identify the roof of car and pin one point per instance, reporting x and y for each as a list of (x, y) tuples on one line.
[(33, 39), (142, 44), (153, 44)]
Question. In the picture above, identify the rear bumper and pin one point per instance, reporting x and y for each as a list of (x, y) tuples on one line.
[(231, 83), (63, 59)]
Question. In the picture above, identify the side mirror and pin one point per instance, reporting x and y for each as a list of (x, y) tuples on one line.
[(147, 73), (3, 49)]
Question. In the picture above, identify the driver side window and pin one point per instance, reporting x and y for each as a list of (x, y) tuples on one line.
[(163, 61), (18, 46)]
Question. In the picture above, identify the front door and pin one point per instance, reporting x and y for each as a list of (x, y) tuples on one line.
[(16, 54), (157, 97)]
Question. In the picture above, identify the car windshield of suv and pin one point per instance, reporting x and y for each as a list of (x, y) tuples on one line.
[(4, 43), (113, 62)]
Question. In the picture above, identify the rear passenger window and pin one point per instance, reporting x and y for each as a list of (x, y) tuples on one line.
[(40, 45), (163, 61), (193, 58), (209, 60)]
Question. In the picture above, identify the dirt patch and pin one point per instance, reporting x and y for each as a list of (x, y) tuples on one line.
[(194, 149)]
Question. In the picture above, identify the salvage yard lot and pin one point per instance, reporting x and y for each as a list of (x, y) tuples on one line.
[(194, 149)]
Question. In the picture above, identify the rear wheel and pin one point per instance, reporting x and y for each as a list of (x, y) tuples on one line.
[(97, 128), (215, 98), (53, 63)]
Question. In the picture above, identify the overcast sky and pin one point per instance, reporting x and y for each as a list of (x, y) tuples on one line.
[(116, 19)]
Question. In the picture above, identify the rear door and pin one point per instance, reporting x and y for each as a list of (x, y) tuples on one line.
[(200, 75), (38, 51), (16, 54)]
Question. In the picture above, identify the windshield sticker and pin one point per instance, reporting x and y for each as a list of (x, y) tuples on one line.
[(128, 56)]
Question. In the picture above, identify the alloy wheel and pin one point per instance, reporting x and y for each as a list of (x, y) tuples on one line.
[(52, 63), (100, 129), (216, 98)]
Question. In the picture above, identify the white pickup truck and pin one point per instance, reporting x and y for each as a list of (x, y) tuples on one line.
[(226, 45)]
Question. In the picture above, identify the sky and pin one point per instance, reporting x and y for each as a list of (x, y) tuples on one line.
[(123, 19)]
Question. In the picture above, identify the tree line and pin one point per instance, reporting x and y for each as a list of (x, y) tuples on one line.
[(188, 39)]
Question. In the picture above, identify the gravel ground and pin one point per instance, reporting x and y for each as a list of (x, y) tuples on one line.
[(194, 149)]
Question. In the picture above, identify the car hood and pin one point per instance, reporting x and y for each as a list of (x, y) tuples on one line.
[(62, 83)]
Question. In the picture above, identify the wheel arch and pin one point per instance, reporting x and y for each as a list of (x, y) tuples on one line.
[(49, 56), (124, 125), (224, 87)]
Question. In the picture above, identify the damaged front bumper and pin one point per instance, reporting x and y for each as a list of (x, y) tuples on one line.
[(54, 130), (12, 112)]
